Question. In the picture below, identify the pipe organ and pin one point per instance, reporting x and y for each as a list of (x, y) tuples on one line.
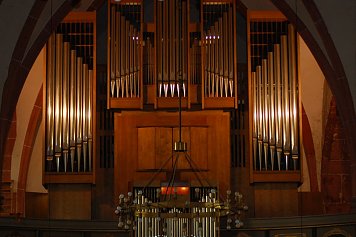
[(69, 97), (154, 62), (274, 96)]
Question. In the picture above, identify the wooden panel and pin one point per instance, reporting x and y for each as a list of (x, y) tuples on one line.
[(70, 201), (146, 148), (219, 102), (36, 205), (199, 146), (65, 178), (171, 102), (276, 199), (163, 146), (262, 15), (126, 103), (211, 146)]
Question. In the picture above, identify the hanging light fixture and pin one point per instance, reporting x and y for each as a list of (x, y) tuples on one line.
[(172, 210)]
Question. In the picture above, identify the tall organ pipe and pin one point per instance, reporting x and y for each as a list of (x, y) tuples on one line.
[(271, 97), (85, 113), (58, 99), (255, 116), (117, 51), (50, 97), (231, 54), (73, 105), (286, 100), (265, 110), (278, 111), (260, 114), (122, 54), (294, 94), (79, 112), (89, 118), (66, 95), (112, 52)]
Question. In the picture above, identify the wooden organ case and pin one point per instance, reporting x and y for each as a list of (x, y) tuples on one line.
[(70, 101), (147, 59)]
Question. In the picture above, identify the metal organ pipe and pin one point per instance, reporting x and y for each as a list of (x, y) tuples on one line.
[(90, 118), (271, 96), (285, 102), (112, 50), (294, 94), (50, 97), (255, 117), (265, 111), (65, 114), (260, 114), (79, 112), (85, 113), (278, 111), (58, 99)]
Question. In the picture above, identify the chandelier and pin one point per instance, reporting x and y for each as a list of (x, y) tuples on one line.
[(174, 211)]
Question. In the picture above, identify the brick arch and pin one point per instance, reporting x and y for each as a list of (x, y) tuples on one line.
[(30, 137), (21, 63)]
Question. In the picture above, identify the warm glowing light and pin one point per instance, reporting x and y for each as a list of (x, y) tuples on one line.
[(175, 190)]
